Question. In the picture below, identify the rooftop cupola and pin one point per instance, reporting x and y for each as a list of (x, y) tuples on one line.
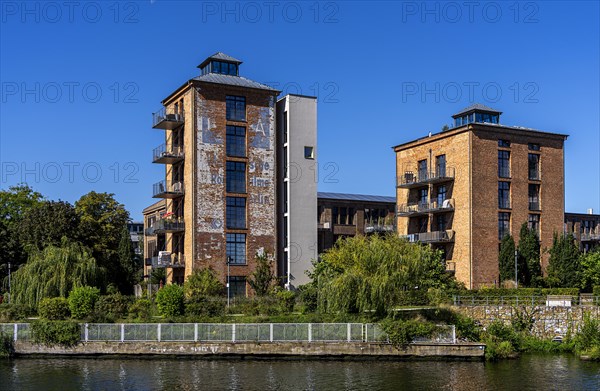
[(476, 113), (220, 63)]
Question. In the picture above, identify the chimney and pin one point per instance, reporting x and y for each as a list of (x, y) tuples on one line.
[(590, 211)]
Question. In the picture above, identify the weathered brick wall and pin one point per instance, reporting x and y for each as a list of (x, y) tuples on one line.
[(548, 321)]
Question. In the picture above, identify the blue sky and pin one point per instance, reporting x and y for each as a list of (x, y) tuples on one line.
[(80, 81)]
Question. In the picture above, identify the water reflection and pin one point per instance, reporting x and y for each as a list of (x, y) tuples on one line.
[(527, 373)]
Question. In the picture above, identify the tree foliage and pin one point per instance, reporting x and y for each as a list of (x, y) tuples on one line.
[(170, 300), (46, 223), (590, 270), (127, 262), (203, 282), (54, 271), (529, 256), (82, 300), (506, 258), (563, 266), (262, 279), (376, 273)]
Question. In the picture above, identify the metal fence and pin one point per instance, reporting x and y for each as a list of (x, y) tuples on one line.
[(549, 301), (234, 332)]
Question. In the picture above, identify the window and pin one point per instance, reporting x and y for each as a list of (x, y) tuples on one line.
[(504, 164), (343, 215), (533, 147), (441, 222), (422, 166), (503, 224), (237, 286), (534, 166), (236, 177), (335, 215), (423, 222), (441, 195), (504, 143), (285, 127), (534, 197), (235, 108), (533, 223), (503, 195), (236, 141), (236, 249), (309, 152), (224, 68), (351, 216), (423, 196), (440, 166), (236, 212)]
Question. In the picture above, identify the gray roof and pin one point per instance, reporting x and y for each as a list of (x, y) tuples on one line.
[(356, 197), (219, 56), (239, 81), (476, 106)]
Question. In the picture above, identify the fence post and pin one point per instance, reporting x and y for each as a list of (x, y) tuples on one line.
[(233, 332), (271, 332), (122, 332), (15, 331), (366, 332), (86, 332), (195, 332), (349, 332), (453, 334), (158, 332), (310, 332)]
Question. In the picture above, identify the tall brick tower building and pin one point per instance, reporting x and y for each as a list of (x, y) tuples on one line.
[(219, 186), (463, 189)]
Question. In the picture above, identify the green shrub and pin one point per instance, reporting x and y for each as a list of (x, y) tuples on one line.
[(169, 300), (205, 306), (7, 345), (496, 350), (588, 335), (467, 328), (592, 353), (403, 332), (55, 308), (82, 301), (56, 332), (596, 291), (14, 312), (141, 309), (287, 299), (308, 295), (114, 306), (203, 282)]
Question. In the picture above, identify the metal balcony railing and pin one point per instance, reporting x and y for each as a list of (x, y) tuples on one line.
[(589, 236), (426, 207), (164, 189), (372, 227), (410, 179), (169, 225), (162, 154), (166, 119), (149, 231), (430, 237)]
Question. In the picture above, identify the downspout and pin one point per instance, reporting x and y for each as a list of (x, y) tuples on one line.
[(194, 137), (470, 174)]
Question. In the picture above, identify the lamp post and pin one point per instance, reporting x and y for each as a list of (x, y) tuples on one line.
[(516, 277), (228, 274)]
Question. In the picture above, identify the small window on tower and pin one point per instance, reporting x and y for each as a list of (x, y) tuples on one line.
[(309, 152)]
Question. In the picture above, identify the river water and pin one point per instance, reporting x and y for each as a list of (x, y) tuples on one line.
[(530, 372)]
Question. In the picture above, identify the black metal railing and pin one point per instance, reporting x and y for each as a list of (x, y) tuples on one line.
[(424, 177), (169, 225), (162, 153), (426, 207), (430, 237), (165, 189), (166, 119)]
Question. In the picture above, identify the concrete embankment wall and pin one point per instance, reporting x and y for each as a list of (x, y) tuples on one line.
[(547, 321), (463, 351)]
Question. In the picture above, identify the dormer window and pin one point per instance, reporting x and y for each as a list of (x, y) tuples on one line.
[(222, 67), (476, 113)]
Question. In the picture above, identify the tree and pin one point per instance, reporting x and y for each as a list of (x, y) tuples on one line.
[(529, 256), (54, 272), (563, 266), (506, 258), (262, 278), (203, 282), (590, 270), (127, 262), (376, 273), (46, 223), (14, 203), (102, 220)]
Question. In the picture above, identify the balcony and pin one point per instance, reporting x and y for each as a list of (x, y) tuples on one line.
[(589, 237), (149, 231), (162, 119), (408, 210), (171, 155), (409, 180), (379, 228), (168, 259), (431, 237), (170, 190), (173, 225)]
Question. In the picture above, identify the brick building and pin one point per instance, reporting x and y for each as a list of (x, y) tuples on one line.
[(218, 205), (585, 227), (341, 215), (463, 189)]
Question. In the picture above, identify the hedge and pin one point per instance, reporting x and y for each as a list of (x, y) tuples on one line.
[(520, 292), (596, 290)]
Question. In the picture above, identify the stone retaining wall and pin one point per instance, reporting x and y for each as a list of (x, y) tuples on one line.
[(548, 321), (463, 351)]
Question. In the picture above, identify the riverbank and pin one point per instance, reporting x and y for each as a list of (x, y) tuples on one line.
[(251, 350)]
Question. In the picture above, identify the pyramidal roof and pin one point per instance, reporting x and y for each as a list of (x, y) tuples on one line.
[(221, 57), (476, 107)]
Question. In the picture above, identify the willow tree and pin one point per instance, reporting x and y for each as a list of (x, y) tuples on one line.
[(54, 271), (376, 273)]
